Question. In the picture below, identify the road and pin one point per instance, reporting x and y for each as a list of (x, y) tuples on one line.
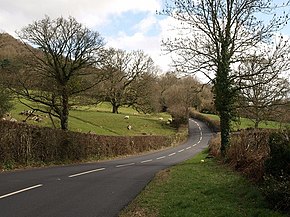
[(91, 190)]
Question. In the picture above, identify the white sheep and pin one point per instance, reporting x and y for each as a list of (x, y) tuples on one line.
[(126, 117)]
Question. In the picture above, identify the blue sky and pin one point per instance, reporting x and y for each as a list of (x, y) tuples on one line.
[(125, 24)]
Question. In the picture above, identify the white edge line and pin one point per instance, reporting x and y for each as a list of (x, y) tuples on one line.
[(159, 158), (146, 161), (20, 191), (124, 165), (87, 172)]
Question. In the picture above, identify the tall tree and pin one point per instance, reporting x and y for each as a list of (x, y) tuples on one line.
[(64, 56), (125, 69), (213, 36)]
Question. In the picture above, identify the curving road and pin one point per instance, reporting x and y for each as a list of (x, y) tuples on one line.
[(91, 190)]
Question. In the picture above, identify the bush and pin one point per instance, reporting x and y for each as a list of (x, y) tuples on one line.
[(276, 186), (215, 145), (277, 191), (279, 160), (248, 151)]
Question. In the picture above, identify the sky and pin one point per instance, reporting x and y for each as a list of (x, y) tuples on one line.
[(124, 24)]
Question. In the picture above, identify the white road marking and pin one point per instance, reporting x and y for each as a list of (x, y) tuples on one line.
[(159, 158), (20, 191), (188, 148), (171, 154), (87, 172), (124, 165), (146, 161), (180, 150), (194, 145)]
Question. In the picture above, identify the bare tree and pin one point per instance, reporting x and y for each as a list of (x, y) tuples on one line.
[(214, 35), (266, 91), (180, 96), (125, 69), (63, 60)]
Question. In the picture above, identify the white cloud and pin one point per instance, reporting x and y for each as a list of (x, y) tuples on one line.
[(140, 40), (15, 14)]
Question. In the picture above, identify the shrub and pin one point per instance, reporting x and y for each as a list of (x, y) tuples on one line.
[(179, 115), (248, 151), (215, 145), (276, 186), (277, 191), (279, 160)]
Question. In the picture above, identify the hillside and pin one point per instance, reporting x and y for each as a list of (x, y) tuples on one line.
[(10, 47)]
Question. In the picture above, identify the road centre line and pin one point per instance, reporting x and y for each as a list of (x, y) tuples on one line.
[(124, 165), (171, 154), (146, 161), (20, 191), (159, 158), (180, 150), (188, 147), (87, 172)]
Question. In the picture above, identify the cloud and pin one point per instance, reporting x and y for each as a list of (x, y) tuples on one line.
[(147, 36), (18, 13)]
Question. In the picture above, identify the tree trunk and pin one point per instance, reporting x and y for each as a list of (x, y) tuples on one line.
[(115, 109), (257, 124), (224, 98), (225, 122), (65, 110)]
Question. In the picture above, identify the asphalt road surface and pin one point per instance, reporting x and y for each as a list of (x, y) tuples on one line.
[(91, 190)]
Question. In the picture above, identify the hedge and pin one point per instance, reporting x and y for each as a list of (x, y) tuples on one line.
[(23, 144)]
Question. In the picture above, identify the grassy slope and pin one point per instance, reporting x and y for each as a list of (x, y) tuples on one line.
[(196, 188), (101, 121)]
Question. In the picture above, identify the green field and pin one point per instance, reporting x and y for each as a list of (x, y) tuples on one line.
[(99, 119), (244, 123), (196, 188)]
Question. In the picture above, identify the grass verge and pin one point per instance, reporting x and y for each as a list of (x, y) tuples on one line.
[(197, 188)]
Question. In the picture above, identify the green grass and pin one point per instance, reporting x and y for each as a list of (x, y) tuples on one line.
[(244, 123), (196, 188), (100, 120)]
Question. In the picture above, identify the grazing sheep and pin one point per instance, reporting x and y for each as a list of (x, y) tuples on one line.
[(126, 117), (129, 127), (160, 119)]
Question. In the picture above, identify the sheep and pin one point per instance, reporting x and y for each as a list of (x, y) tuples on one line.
[(129, 127), (126, 117)]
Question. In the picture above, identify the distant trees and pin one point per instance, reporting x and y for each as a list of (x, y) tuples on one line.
[(63, 61), (213, 36), (177, 95)]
